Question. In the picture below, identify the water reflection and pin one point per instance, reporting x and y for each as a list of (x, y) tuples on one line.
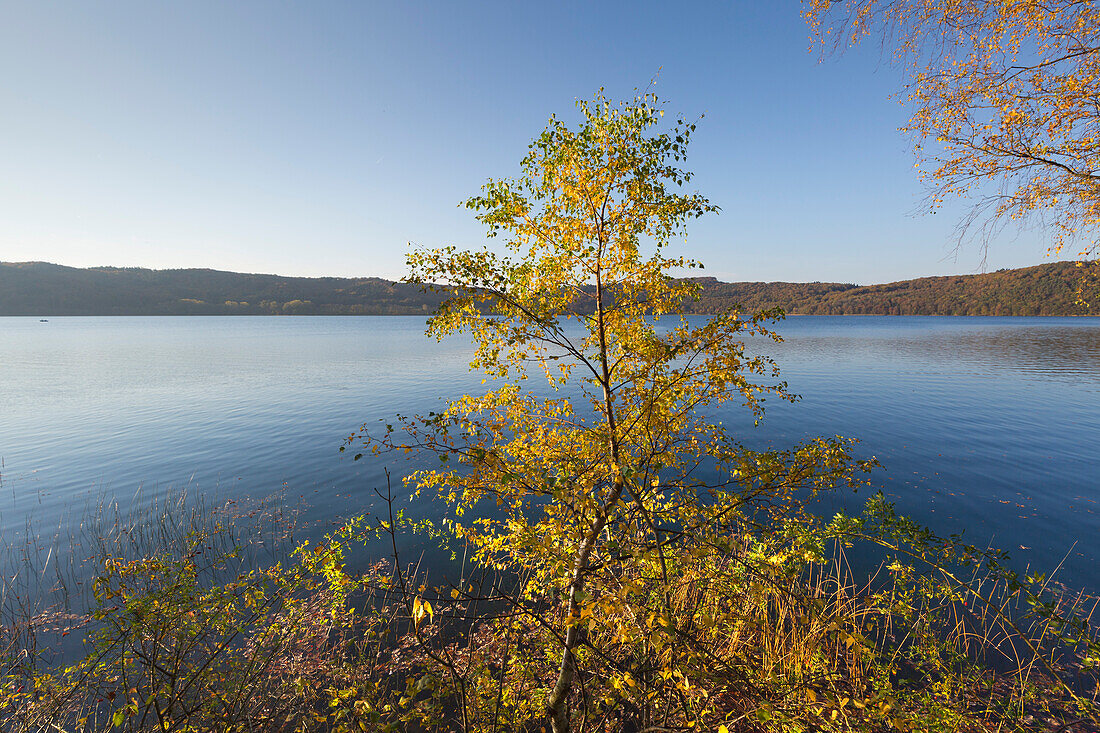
[(1047, 348)]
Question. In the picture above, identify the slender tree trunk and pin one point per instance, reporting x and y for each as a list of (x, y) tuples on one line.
[(556, 707)]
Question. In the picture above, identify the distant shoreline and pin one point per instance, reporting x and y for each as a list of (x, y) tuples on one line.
[(44, 290)]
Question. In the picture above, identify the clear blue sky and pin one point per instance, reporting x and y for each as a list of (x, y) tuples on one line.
[(320, 138)]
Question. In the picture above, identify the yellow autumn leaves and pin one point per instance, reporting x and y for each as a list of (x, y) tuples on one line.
[(1003, 99)]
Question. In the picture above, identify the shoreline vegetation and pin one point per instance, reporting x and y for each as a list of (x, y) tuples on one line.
[(42, 289), (199, 618)]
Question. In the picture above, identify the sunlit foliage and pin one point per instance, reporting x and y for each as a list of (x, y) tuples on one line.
[(1005, 99), (605, 489)]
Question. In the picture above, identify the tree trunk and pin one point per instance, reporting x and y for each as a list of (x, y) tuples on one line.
[(556, 707)]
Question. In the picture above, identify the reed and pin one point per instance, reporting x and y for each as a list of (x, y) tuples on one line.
[(194, 625)]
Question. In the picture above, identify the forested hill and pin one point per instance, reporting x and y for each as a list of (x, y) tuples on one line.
[(42, 289), (1043, 290)]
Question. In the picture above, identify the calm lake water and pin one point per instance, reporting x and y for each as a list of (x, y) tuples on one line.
[(988, 425)]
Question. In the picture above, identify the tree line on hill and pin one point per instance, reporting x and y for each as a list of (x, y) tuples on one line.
[(43, 289), (1044, 290)]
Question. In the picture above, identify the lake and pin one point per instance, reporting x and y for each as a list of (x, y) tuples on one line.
[(988, 425)]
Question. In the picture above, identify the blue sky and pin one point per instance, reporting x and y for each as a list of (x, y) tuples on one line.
[(321, 138)]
